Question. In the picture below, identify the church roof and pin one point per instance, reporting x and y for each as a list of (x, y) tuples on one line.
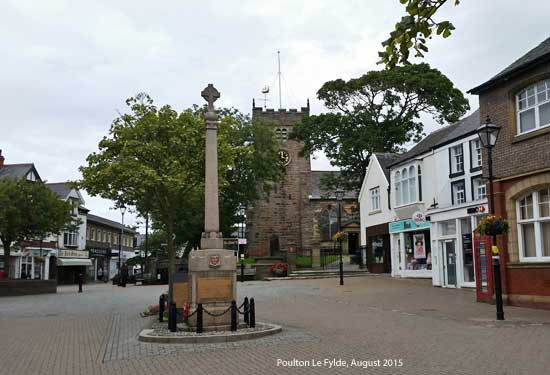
[(319, 191)]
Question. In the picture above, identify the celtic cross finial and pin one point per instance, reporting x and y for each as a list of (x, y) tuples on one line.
[(210, 94)]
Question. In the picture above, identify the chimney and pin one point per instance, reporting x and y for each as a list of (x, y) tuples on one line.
[(1, 160)]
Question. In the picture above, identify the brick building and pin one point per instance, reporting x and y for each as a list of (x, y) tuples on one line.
[(518, 100), (299, 214)]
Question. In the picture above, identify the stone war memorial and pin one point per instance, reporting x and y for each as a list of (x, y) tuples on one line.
[(208, 292)]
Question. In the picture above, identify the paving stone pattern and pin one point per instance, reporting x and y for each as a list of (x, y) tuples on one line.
[(432, 330)]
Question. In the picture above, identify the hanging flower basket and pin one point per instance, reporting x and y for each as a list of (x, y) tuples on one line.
[(39, 259), (492, 225), (340, 236)]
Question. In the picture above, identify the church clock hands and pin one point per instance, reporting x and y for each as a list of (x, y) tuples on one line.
[(284, 157)]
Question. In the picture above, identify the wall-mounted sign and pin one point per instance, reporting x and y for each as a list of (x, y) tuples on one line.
[(405, 225), (72, 254), (476, 210), (418, 218)]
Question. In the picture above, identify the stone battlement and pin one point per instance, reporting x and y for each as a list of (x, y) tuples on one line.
[(258, 110)]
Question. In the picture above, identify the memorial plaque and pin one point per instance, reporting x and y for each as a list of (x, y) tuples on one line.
[(181, 294), (214, 289)]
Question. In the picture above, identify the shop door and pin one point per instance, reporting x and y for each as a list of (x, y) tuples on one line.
[(484, 269), (449, 254)]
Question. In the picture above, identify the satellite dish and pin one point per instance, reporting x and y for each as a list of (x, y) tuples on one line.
[(265, 90)]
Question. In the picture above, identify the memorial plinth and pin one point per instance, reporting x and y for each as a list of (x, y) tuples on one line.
[(212, 268)]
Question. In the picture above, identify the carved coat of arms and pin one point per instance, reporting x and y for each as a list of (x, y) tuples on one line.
[(215, 261)]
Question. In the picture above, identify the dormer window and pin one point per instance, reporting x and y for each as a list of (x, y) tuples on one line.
[(533, 107), (31, 176)]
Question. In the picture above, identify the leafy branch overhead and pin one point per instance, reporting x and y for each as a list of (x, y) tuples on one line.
[(377, 112), (413, 31)]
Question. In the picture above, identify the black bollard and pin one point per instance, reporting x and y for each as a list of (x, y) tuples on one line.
[(199, 318), (80, 283), (233, 315), (246, 307), (242, 271), (161, 308), (172, 317), (252, 313)]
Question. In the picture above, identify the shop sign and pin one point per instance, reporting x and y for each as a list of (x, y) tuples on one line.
[(72, 254), (94, 252), (476, 210), (418, 218), (403, 225)]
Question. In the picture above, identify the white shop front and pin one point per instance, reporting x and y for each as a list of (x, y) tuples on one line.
[(411, 253), (452, 234)]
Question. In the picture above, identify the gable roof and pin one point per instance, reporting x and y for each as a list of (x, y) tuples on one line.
[(319, 191), (386, 159), (450, 133), (537, 55), (17, 170), (62, 189)]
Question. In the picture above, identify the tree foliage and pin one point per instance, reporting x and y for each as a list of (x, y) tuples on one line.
[(153, 159), (30, 210), (377, 112), (413, 30)]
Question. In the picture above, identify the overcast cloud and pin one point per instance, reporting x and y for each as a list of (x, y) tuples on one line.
[(66, 67)]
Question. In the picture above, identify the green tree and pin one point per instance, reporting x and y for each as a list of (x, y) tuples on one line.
[(377, 112), (413, 30), (30, 210), (153, 159)]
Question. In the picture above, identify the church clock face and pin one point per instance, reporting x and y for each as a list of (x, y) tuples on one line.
[(284, 157)]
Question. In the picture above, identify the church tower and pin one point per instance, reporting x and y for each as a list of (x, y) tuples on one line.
[(281, 221)]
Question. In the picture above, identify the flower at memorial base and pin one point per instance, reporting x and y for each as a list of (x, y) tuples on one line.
[(492, 225)]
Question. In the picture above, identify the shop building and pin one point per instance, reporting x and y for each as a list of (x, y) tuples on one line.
[(376, 213), (518, 100), (103, 239), (72, 257)]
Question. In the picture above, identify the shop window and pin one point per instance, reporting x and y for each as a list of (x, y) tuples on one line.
[(417, 252), (378, 250), (329, 224), (533, 212), (467, 250), (375, 199), (458, 190), (26, 267), (456, 160), (448, 228), (533, 107), (479, 188)]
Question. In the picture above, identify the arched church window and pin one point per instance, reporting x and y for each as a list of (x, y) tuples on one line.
[(284, 134), (329, 224)]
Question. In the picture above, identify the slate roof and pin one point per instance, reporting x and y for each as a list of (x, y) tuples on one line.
[(440, 137), (16, 170), (318, 191), (386, 159), (62, 189), (107, 222), (537, 55)]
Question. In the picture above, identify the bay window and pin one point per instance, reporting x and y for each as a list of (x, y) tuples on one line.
[(533, 107), (533, 213), (405, 186)]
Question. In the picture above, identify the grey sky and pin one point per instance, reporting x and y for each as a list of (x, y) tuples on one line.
[(67, 66)]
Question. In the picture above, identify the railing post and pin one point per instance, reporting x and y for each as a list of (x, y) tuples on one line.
[(233, 315), (161, 308), (199, 318), (246, 307), (172, 317), (252, 313), (242, 271)]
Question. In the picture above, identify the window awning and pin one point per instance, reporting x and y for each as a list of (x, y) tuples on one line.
[(73, 262)]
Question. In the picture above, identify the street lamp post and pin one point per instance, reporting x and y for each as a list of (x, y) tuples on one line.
[(122, 211), (488, 135), (339, 197)]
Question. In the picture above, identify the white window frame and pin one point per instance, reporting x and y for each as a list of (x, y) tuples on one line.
[(406, 186), (375, 199), (537, 104), (477, 154), (70, 238), (457, 159), (476, 189), (536, 220), (455, 193)]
